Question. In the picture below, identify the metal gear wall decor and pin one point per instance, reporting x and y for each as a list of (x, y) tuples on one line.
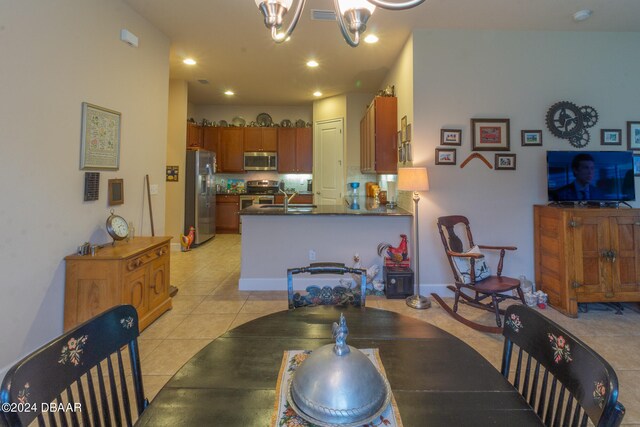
[(568, 121)]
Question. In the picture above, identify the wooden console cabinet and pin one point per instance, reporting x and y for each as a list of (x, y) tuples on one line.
[(134, 272), (587, 255)]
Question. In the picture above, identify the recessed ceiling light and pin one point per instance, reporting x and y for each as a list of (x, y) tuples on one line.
[(229, 93), (582, 15), (312, 64), (189, 61), (371, 38), (317, 93)]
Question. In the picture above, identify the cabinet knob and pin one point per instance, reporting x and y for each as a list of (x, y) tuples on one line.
[(393, 281), (573, 223), (608, 294), (575, 285), (636, 223)]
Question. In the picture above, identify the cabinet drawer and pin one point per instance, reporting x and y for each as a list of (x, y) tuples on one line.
[(141, 260)]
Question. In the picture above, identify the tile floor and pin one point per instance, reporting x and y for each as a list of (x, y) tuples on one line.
[(208, 303)]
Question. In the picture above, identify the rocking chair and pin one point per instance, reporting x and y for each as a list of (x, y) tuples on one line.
[(471, 272)]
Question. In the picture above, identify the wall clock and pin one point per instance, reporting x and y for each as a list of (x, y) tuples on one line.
[(568, 121)]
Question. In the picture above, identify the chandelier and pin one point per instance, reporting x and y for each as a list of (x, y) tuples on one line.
[(352, 16)]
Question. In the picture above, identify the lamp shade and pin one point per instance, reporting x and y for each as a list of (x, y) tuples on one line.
[(413, 179)]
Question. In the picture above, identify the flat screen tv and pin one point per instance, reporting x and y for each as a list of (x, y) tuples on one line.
[(590, 176)]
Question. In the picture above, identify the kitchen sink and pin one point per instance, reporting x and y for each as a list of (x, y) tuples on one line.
[(293, 207)]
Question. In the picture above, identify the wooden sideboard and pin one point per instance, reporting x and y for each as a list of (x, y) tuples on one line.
[(587, 255), (134, 272)]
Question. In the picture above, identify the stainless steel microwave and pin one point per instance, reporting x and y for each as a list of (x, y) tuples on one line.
[(260, 161)]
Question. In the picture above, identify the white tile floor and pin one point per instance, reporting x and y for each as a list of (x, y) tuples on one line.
[(208, 304)]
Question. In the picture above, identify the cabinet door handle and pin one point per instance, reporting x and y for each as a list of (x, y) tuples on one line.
[(612, 256), (575, 285), (573, 223)]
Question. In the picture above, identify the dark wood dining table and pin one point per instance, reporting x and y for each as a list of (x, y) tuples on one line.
[(436, 379)]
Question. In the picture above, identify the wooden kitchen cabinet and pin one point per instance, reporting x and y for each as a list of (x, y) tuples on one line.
[(260, 139), (211, 138), (227, 213), (134, 272), (587, 255), (295, 150), (378, 134), (195, 135), (298, 198), (230, 153)]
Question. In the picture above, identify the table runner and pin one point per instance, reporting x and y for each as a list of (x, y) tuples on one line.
[(285, 416)]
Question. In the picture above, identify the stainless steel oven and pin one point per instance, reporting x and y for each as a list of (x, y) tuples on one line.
[(260, 161), (248, 200)]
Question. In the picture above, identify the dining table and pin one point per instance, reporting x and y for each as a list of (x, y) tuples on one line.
[(436, 379)]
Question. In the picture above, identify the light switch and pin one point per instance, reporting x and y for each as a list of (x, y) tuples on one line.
[(153, 189)]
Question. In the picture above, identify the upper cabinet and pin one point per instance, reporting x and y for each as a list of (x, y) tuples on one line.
[(295, 150), (194, 136), (211, 138), (378, 134), (230, 153), (260, 139)]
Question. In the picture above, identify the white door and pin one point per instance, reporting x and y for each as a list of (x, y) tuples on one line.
[(328, 169)]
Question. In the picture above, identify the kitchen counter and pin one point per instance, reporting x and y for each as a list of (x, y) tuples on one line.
[(365, 206)]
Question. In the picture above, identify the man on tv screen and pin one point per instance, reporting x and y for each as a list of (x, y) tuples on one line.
[(581, 188)]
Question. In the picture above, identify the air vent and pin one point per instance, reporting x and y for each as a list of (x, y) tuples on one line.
[(203, 81), (323, 15)]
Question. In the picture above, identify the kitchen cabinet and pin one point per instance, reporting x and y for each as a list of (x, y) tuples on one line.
[(134, 272), (227, 217), (260, 139), (195, 135), (378, 135), (587, 255), (295, 150), (298, 198), (211, 138), (230, 153)]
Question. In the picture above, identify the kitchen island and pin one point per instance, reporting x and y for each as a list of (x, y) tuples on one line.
[(274, 240)]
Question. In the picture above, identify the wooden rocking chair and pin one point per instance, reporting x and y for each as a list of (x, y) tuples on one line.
[(495, 287)]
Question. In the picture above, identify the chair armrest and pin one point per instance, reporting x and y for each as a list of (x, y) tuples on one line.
[(506, 248), (464, 255)]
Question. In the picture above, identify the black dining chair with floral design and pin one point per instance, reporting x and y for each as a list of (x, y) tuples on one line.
[(342, 294), (562, 379), (88, 376)]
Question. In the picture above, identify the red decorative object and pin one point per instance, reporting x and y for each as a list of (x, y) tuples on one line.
[(186, 241), (395, 256)]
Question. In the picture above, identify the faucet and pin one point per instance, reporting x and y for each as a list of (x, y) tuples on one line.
[(287, 198)]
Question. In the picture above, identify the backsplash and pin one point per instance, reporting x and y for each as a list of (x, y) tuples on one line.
[(292, 182)]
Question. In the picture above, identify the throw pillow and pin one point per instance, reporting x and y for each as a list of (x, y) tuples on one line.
[(463, 267)]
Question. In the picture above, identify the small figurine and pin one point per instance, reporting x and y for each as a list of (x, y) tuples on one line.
[(398, 256), (186, 241), (372, 271), (340, 332)]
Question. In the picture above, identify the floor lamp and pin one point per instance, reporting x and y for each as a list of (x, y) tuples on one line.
[(415, 179)]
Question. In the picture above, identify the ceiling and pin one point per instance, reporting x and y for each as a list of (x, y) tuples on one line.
[(234, 49)]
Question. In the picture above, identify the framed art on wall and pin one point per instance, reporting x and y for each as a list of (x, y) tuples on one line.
[(633, 135), (403, 129), (116, 191), (450, 137), (505, 162), (636, 164), (611, 137), (490, 135), (445, 156), (531, 138), (100, 140)]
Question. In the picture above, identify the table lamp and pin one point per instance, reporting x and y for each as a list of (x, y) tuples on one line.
[(415, 179)]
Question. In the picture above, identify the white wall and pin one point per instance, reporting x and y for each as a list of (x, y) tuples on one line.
[(56, 55), (176, 147), (459, 75)]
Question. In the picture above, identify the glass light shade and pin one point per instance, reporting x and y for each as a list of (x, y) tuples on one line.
[(355, 4), (413, 179), (284, 3)]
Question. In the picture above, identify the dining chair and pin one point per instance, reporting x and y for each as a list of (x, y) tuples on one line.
[(327, 295), (471, 272), (562, 379), (88, 376)]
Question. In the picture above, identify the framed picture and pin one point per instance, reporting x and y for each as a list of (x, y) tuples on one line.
[(450, 137), (408, 133), (633, 135), (611, 137), (490, 135), (636, 164), (531, 138), (172, 173), (116, 192), (445, 156), (505, 162), (100, 140), (403, 129)]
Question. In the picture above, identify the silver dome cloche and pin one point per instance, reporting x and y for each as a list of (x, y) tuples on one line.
[(337, 385)]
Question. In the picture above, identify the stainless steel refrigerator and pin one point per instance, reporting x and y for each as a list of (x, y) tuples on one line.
[(200, 195)]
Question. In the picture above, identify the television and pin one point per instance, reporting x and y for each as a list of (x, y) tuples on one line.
[(590, 176)]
